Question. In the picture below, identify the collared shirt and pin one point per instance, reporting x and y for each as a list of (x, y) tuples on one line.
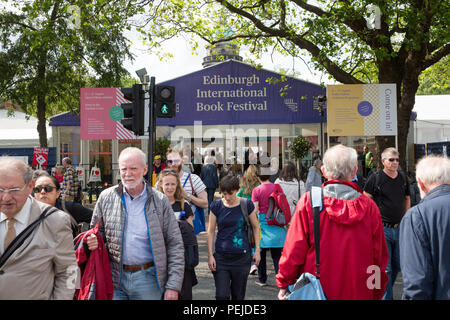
[(137, 242), (70, 178), (22, 219)]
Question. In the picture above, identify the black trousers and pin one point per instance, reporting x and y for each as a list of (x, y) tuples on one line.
[(262, 267), (231, 275)]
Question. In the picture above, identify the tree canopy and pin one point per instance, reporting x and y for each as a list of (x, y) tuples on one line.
[(49, 49), (406, 37)]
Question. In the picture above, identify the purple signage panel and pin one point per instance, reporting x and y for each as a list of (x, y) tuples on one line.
[(236, 93)]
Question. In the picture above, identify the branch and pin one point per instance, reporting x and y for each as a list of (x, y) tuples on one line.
[(435, 57)]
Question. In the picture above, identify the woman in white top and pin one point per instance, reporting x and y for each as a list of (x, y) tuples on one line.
[(292, 186)]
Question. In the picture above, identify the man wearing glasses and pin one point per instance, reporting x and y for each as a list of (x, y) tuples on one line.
[(389, 188), (44, 266)]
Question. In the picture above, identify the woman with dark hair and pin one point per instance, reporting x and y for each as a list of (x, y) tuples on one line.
[(229, 256), (292, 186), (272, 237), (47, 189)]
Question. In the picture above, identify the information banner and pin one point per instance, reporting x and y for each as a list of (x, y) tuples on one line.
[(100, 114), (362, 110)]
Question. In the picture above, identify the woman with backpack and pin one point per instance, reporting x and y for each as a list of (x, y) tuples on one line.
[(229, 256), (291, 184), (169, 184), (272, 236)]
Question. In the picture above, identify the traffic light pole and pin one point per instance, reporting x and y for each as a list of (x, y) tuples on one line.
[(151, 129)]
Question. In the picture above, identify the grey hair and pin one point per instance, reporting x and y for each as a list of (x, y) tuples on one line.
[(339, 162), (317, 162), (134, 150), (433, 169), (388, 151), (7, 162)]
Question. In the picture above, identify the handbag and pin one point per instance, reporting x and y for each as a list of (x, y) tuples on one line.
[(19, 240), (308, 286), (199, 214), (248, 227)]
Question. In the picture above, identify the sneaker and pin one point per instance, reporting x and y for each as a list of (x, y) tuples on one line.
[(261, 284), (253, 269)]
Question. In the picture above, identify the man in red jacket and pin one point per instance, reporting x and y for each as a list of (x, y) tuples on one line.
[(353, 255)]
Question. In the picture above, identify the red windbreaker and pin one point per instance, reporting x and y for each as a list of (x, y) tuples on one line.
[(353, 252), (96, 279)]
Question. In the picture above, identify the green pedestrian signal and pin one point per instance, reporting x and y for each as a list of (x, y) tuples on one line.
[(165, 101)]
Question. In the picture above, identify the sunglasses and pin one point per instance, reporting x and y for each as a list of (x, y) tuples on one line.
[(46, 188), (167, 171), (393, 159), (174, 161)]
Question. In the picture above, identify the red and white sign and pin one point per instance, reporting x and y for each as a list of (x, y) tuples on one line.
[(40, 158)]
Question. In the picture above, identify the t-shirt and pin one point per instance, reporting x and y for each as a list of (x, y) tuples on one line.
[(197, 183), (176, 207), (261, 195), (231, 234), (391, 196)]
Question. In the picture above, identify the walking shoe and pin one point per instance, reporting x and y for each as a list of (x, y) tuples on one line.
[(261, 284), (253, 269)]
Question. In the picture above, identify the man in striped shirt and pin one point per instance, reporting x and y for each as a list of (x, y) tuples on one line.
[(195, 189)]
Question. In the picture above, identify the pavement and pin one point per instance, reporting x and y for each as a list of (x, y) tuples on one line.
[(206, 290)]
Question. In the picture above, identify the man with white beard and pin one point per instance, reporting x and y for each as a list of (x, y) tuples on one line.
[(425, 234), (141, 235)]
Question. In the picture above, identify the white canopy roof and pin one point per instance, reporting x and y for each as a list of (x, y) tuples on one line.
[(435, 107), (17, 130)]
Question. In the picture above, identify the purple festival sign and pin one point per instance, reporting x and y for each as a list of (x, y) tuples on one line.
[(236, 93)]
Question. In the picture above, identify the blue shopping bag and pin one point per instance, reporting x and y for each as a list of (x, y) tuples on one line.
[(307, 287)]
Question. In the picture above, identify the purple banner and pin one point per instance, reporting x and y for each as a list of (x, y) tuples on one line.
[(236, 93)]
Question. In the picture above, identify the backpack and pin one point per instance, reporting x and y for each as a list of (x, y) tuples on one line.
[(191, 256), (279, 212)]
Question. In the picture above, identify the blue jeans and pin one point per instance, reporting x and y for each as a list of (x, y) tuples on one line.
[(393, 266), (138, 285)]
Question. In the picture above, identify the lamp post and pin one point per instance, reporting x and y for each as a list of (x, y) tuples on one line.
[(321, 106)]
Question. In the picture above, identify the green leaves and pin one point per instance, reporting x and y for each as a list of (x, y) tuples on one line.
[(300, 147)]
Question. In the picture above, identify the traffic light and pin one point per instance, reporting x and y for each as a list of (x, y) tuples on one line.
[(165, 101), (134, 112)]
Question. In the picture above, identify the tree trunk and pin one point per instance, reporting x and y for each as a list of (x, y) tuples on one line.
[(41, 128)]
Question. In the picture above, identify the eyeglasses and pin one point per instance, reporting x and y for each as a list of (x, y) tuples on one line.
[(174, 161), (393, 159), (167, 171), (13, 191), (47, 189)]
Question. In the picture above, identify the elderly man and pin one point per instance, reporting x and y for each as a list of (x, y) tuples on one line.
[(44, 266), (353, 255), (70, 184), (141, 233), (389, 188), (425, 234)]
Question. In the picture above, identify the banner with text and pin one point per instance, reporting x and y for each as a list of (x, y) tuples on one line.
[(100, 114), (233, 92), (362, 110)]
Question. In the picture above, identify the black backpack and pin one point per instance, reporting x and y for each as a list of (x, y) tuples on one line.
[(191, 256)]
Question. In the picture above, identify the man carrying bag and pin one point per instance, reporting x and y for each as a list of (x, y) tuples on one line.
[(354, 256)]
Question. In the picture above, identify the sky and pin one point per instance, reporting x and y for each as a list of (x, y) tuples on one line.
[(185, 62)]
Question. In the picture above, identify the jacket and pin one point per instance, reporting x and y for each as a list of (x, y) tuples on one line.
[(44, 266), (165, 236), (353, 252), (314, 178), (291, 189), (96, 281), (425, 247), (209, 176)]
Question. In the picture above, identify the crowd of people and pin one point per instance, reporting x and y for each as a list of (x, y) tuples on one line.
[(370, 229)]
